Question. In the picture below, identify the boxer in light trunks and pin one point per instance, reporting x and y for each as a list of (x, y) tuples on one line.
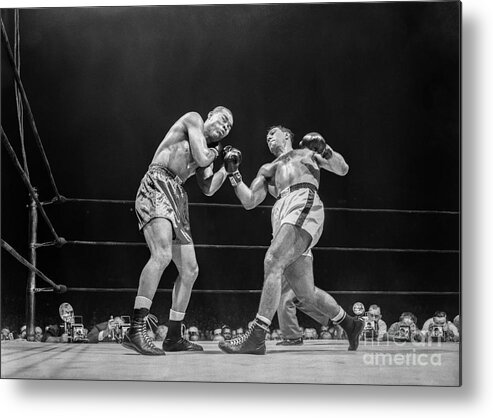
[(297, 224), (190, 147)]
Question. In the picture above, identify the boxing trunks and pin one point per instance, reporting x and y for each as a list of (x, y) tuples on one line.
[(299, 205), (161, 195)]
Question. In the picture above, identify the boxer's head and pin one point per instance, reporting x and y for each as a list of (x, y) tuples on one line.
[(218, 124), (279, 140)]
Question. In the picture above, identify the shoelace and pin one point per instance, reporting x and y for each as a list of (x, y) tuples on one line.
[(242, 338), (147, 339)]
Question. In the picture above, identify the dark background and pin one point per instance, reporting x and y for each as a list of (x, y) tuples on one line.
[(379, 81)]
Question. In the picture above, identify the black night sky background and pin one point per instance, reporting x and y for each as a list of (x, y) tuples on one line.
[(381, 82)]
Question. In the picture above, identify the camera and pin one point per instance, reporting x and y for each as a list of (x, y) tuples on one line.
[(437, 333), (73, 325), (121, 327), (404, 333), (370, 331)]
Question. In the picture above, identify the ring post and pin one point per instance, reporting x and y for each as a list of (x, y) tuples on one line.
[(31, 278)]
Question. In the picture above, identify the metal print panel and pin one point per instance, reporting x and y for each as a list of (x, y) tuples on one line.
[(232, 193)]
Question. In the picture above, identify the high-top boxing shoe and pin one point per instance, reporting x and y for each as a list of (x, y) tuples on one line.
[(174, 340), (353, 327), (251, 342), (136, 337)]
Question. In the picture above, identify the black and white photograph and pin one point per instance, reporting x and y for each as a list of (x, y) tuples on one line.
[(233, 193)]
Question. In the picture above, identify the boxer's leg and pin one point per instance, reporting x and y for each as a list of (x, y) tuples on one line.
[(158, 234), (188, 270), (288, 245), (313, 301), (286, 313), (300, 277)]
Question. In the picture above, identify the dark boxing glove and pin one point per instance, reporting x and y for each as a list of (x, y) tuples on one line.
[(316, 142), (232, 160)]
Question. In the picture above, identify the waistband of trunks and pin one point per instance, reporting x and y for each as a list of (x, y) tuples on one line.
[(167, 171), (295, 187)]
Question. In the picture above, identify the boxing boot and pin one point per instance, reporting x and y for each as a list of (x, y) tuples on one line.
[(354, 328), (251, 342), (136, 337), (174, 340)]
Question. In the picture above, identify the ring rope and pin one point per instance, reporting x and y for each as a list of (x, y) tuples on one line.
[(30, 115), (18, 99), (63, 199), (30, 188), (252, 247), (336, 292), (22, 260)]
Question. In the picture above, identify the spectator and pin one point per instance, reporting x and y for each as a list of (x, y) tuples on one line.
[(226, 332), (161, 332), (457, 324), (438, 329), (7, 335), (217, 335), (54, 334), (405, 329), (22, 336), (38, 334), (193, 333)]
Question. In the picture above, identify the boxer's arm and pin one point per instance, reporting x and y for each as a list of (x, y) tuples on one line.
[(333, 162), (202, 155), (210, 182), (251, 197)]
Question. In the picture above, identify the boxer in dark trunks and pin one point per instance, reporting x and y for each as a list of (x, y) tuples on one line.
[(190, 147), (297, 224)]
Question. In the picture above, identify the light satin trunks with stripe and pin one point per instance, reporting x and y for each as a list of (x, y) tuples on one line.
[(303, 208)]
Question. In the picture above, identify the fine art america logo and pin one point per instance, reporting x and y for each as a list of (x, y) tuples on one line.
[(412, 358)]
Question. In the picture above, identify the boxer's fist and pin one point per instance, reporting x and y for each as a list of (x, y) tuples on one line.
[(231, 158), (316, 142)]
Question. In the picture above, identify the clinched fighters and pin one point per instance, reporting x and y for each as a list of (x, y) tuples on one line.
[(190, 147), (297, 224)]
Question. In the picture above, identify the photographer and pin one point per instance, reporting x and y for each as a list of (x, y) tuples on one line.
[(109, 331), (405, 329), (54, 334), (375, 327), (438, 329)]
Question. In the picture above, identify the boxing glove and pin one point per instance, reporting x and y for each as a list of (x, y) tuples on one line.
[(316, 142)]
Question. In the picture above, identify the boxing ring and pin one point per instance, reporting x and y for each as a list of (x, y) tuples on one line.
[(317, 361)]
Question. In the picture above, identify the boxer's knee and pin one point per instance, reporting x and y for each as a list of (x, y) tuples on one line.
[(189, 274), (161, 257), (273, 266)]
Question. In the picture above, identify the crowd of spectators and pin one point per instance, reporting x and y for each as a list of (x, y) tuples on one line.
[(210, 328)]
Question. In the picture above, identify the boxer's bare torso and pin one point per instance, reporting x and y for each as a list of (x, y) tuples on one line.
[(174, 151), (292, 167)]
